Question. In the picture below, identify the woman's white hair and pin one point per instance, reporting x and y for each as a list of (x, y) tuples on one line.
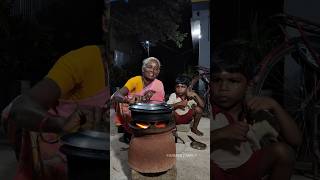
[(147, 60)]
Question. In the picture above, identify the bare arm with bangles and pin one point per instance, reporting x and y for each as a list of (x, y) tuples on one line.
[(120, 96), (30, 110)]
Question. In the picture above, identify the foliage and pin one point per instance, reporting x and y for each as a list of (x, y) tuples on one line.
[(153, 20)]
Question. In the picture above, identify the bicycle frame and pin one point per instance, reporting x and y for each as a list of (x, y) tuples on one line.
[(204, 75), (294, 22), (302, 26)]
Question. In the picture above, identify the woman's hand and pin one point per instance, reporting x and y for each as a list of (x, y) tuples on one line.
[(147, 95), (131, 100), (72, 123), (80, 118)]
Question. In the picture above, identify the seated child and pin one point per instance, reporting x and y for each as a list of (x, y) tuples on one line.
[(232, 154), (187, 104)]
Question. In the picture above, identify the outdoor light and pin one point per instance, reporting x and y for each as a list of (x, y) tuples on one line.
[(146, 44), (196, 30)]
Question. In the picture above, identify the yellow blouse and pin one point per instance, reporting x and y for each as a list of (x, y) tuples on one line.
[(79, 73)]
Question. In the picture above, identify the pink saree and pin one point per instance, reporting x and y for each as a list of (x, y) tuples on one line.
[(123, 114), (48, 155)]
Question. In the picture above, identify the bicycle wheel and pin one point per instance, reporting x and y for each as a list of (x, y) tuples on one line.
[(291, 76)]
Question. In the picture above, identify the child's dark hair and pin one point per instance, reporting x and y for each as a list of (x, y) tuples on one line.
[(183, 79), (235, 57)]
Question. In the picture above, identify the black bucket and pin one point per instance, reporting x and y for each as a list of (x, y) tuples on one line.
[(88, 155)]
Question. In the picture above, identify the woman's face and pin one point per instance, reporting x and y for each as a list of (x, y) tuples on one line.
[(151, 70)]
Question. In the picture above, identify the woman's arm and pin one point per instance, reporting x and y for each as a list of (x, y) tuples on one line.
[(30, 109), (120, 95)]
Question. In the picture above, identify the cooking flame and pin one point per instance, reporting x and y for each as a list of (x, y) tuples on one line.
[(160, 125), (143, 126)]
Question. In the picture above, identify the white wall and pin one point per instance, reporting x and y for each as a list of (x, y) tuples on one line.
[(309, 9), (204, 42)]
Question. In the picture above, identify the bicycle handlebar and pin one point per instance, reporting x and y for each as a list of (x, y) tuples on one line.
[(292, 21)]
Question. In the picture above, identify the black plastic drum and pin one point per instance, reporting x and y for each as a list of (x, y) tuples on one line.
[(88, 155)]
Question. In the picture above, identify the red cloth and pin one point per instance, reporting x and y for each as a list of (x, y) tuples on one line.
[(53, 170), (25, 165), (123, 116), (216, 110), (184, 119), (25, 169), (247, 171)]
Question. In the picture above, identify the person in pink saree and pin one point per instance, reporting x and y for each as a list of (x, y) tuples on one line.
[(145, 88), (76, 86)]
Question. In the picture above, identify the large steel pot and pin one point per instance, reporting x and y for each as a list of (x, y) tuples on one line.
[(144, 113)]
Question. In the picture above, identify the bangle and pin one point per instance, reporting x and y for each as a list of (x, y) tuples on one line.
[(43, 121)]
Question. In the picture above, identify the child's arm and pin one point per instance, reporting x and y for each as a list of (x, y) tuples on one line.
[(180, 105), (288, 127), (196, 98), (233, 133), (176, 105)]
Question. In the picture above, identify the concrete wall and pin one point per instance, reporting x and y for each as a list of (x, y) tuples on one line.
[(308, 9), (200, 12), (204, 41)]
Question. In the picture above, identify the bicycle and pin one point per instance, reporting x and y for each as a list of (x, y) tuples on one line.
[(203, 76), (296, 59)]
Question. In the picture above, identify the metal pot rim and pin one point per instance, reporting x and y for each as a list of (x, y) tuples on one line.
[(151, 107), (87, 139)]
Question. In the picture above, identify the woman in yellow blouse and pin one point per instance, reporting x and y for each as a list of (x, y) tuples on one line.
[(77, 83)]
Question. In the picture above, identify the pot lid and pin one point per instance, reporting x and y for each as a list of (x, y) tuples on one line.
[(151, 107), (87, 139)]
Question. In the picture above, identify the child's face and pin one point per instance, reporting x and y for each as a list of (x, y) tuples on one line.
[(229, 89), (181, 89)]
